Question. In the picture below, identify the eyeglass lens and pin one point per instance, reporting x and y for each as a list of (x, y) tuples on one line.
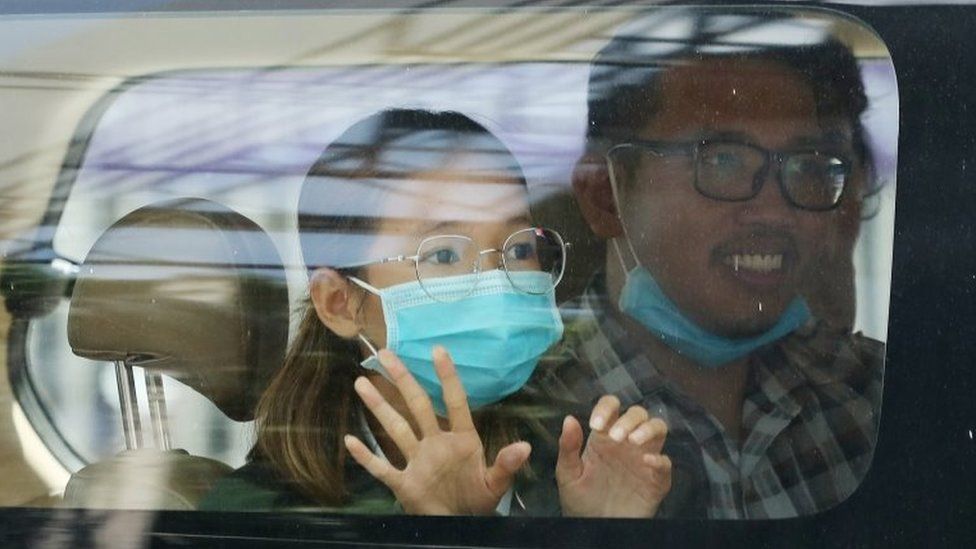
[(534, 249), (733, 171)]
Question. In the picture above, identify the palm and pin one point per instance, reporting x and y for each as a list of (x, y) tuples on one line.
[(619, 469), (445, 472), (623, 475), (448, 467)]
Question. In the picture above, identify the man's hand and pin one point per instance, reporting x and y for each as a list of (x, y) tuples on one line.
[(446, 473), (621, 473)]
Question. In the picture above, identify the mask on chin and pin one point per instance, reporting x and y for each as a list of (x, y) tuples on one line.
[(642, 299)]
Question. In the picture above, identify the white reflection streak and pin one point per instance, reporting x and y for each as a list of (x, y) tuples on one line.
[(402, 199), (198, 290), (781, 33)]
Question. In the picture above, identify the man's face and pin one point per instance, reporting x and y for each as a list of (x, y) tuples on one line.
[(733, 267)]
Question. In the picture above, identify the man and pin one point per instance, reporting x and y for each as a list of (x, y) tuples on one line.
[(728, 185)]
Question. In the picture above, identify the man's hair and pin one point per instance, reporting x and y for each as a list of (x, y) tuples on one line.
[(625, 77)]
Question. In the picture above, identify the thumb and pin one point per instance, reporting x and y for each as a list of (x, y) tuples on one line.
[(569, 465), (509, 460)]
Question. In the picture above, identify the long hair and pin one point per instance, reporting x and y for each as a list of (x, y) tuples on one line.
[(307, 408), (310, 403)]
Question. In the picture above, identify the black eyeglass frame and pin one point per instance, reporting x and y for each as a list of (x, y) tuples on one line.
[(693, 148)]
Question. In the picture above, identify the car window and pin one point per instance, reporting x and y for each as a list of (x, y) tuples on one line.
[(441, 172)]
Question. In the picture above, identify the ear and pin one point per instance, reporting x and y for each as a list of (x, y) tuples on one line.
[(591, 184), (333, 297)]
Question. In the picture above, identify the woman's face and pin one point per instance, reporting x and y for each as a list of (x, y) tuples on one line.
[(441, 202)]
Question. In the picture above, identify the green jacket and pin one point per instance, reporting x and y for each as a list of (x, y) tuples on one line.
[(256, 487)]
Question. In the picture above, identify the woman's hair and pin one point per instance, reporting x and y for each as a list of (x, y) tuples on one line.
[(310, 403)]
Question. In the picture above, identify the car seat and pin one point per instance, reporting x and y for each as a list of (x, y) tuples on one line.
[(191, 289)]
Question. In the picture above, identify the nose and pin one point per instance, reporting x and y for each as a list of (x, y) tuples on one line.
[(769, 207)]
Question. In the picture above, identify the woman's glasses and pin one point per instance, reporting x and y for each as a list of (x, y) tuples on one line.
[(441, 259)]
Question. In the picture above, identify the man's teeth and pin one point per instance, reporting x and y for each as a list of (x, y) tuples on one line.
[(755, 262)]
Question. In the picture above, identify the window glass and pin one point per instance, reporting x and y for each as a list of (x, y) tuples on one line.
[(658, 205)]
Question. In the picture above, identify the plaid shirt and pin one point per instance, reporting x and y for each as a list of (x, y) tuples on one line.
[(809, 418)]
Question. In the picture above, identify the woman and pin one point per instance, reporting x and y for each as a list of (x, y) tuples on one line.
[(414, 227)]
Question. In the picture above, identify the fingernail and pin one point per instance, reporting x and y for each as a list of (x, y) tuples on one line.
[(598, 423), (637, 437), (617, 434)]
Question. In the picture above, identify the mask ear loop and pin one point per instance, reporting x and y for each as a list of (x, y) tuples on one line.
[(367, 287), (620, 257), (365, 340), (611, 172), (364, 285), (368, 437)]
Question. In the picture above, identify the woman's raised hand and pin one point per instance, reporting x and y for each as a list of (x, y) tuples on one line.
[(445, 472), (622, 472)]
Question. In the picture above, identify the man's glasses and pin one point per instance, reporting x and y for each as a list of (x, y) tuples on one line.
[(734, 171), (440, 257)]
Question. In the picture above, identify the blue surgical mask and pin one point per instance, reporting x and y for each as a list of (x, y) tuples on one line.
[(495, 334), (643, 299)]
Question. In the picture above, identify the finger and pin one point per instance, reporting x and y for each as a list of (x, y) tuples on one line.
[(650, 433), (418, 402), (499, 477), (605, 412), (375, 465), (455, 398), (569, 464), (658, 461), (662, 467), (392, 422), (632, 418)]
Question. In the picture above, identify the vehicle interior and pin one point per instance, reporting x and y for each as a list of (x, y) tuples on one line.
[(150, 266)]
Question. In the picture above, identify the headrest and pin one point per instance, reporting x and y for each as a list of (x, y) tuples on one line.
[(191, 289)]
